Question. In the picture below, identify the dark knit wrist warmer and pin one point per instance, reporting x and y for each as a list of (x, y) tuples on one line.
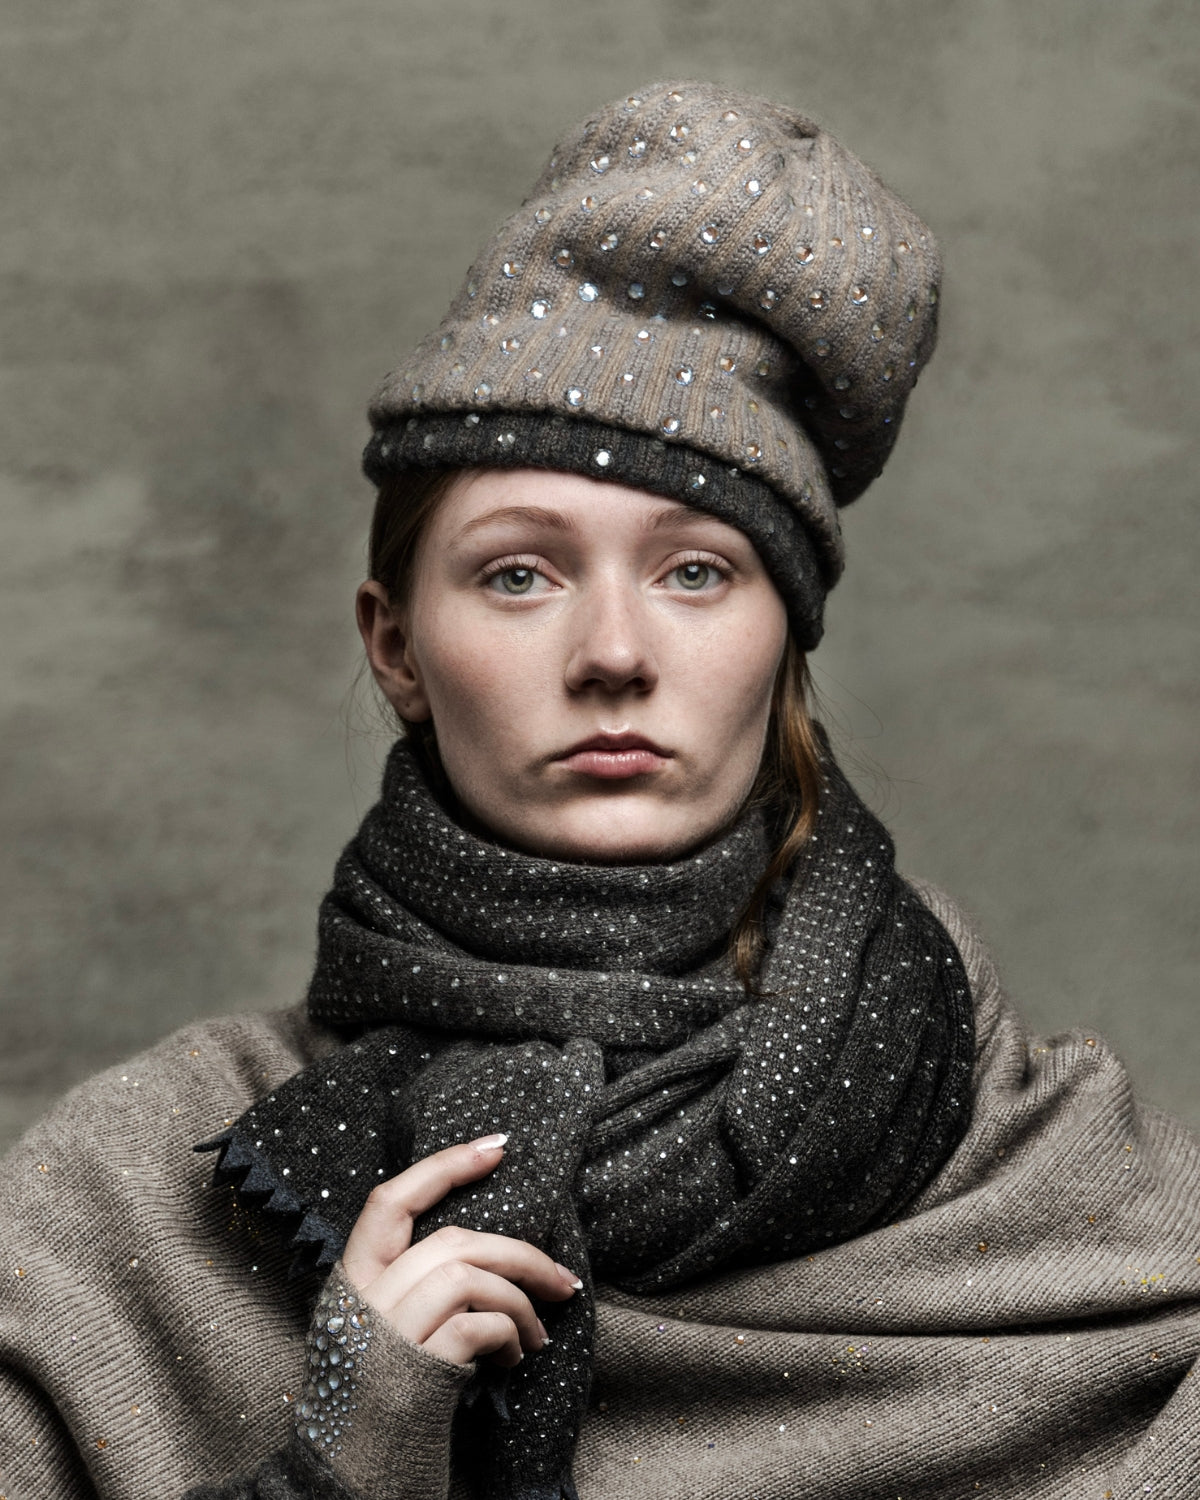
[(506, 440)]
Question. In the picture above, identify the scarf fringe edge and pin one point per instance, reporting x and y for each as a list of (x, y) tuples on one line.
[(316, 1242)]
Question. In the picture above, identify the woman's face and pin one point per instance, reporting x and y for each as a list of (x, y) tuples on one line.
[(598, 662)]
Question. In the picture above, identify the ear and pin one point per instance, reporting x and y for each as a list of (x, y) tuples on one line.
[(384, 632)]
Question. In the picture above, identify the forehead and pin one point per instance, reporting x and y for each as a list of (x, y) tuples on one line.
[(482, 498)]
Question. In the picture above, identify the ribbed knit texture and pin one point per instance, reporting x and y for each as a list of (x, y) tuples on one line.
[(662, 1125), (1057, 1362), (706, 269)]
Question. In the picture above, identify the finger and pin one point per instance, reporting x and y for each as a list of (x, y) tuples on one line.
[(457, 1288), (471, 1335), (516, 1260), (383, 1229)]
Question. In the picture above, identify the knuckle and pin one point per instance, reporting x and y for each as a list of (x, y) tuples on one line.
[(456, 1276), (454, 1238), (498, 1326), (466, 1327), (385, 1195)]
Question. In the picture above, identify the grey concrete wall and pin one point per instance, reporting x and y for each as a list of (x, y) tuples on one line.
[(222, 222)]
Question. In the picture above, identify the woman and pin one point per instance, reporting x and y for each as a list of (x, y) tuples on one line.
[(644, 1131)]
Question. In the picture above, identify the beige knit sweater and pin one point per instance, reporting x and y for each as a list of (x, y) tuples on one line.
[(1030, 1327)]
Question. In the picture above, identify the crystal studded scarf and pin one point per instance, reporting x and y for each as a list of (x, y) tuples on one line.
[(663, 1125)]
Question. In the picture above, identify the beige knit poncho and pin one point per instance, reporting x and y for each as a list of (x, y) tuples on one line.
[(1031, 1327)]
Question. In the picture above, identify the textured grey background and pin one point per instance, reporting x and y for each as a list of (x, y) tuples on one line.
[(222, 222)]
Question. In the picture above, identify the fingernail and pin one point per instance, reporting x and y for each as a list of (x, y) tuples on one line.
[(569, 1276), (490, 1142), (542, 1331)]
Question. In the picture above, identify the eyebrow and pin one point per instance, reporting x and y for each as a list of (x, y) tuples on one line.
[(669, 518), (535, 515)]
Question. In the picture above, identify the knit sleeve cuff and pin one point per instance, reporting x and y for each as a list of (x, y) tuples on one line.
[(377, 1407)]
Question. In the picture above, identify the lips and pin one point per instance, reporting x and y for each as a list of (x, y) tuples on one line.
[(613, 757), (616, 743)]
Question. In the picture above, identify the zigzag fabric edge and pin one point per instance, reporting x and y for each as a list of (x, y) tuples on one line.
[(242, 1166)]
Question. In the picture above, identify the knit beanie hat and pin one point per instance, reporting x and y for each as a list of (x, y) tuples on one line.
[(705, 296)]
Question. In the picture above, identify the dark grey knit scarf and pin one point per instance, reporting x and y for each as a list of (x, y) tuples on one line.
[(663, 1125)]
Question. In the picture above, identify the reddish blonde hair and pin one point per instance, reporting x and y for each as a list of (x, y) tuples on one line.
[(788, 779)]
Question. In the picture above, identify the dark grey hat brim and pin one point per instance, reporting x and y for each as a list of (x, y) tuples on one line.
[(616, 455)]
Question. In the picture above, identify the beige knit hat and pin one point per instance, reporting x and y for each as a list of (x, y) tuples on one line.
[(705, 296)]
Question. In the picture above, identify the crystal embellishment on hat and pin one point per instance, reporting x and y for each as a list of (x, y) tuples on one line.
[(573, 396), (687, 200)]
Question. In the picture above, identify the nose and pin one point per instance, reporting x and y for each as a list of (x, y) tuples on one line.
[(610, 649)]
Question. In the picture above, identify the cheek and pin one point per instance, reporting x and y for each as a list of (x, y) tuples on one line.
[(732, 682), (480, 682)]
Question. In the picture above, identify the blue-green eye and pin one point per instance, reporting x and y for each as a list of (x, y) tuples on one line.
[(693, 575), (516, 580)]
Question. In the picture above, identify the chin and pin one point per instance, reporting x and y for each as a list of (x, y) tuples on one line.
[(609, 835)]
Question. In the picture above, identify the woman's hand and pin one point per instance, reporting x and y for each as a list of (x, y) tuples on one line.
[(460, 1294)]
